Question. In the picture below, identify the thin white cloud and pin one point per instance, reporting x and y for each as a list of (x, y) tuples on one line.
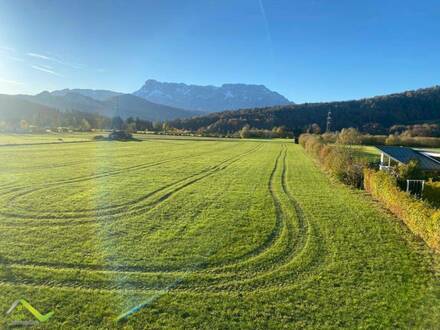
[(46, 66), (10, 82), (41, 56), (54, 59), (40, 68)]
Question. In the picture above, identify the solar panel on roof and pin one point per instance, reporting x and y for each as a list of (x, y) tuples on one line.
[(405, 155)]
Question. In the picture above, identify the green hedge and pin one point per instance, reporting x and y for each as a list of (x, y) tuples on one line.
[(419, 216), (432, 193), (339, 160)]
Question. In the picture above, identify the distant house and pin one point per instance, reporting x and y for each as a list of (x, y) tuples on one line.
[(428, 163), (393, 155), (63, 129)]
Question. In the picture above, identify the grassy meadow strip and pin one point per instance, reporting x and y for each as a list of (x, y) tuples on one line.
[(31, 139), (203, 234)]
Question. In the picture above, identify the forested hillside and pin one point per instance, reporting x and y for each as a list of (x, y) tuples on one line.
[(373, 115), (116, 104), (19, 113)]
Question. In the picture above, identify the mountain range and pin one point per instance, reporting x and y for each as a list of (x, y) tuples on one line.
[(210, 98), (107, 103), (96, 94), (155, 101)]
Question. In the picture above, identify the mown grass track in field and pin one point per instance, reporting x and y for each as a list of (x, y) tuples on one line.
[(220, 280), (21, 164), (114, 210), (123, 171), (167, 196), (226, 165), (250, 277), (223, 165), (283, 226), (103, 174)]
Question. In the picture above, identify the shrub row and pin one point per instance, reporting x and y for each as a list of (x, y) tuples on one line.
[(408, 141), (419, 216), (432, 193), (392, 140), (339, 160), (400, 140)]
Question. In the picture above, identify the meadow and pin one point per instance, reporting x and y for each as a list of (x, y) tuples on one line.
[(192, 233), (48, 138)]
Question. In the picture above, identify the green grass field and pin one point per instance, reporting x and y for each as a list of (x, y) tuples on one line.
[(218, 234), (372, 154), (51, 138)]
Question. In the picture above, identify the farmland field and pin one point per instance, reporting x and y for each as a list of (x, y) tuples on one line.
[(169, 233), (370, 153), (29, 139)]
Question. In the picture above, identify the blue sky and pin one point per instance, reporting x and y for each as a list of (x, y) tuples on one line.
[(307, 50)]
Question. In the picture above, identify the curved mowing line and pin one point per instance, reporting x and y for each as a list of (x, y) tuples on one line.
[(280, 274), (74, 216), (123, 170), (79, 179), (216, 168), (270, 266), (272, 283), (139, 287), (139, 209), (103, 174), (250, 284), (280, 224), (161, 199), (294, 248), (307, 231), (121, 268), (271, 238)]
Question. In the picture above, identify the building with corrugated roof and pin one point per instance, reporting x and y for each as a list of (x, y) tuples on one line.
[(392, 155)]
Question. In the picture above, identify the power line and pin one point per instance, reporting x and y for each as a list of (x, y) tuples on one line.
[(329, 122)]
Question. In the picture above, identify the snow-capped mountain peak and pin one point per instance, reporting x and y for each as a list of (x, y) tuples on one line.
[(210, 98)]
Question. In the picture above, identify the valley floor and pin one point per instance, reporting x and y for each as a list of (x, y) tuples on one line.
[(219, 234)]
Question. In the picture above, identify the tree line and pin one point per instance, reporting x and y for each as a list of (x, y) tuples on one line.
[(372, 115), (74, 120)]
